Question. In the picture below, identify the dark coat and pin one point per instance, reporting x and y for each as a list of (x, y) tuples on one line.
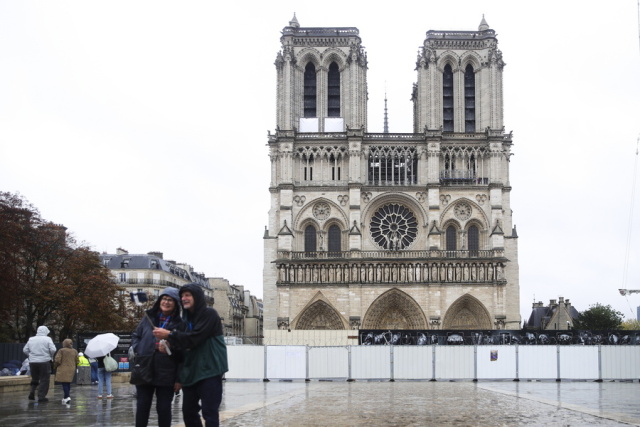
[(165, 367), (202, 340)]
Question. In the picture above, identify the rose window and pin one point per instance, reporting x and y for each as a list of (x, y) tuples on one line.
[(394, 227)]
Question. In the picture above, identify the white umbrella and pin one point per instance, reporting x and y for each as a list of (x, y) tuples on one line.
[(101, 345)]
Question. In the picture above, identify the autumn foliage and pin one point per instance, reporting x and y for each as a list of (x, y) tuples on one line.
[(47, 279)]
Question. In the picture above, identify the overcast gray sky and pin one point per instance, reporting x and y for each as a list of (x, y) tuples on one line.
[(143, 124)]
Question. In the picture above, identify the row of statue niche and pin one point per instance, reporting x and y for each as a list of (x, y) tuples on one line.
[(391, 273)]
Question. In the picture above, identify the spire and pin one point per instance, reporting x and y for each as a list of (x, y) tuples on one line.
[(386, 116), (294, 21), (483, 24)]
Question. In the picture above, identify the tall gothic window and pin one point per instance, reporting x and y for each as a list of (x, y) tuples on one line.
[(447, 99), (473, 242), (310, 90), (335, 245), (334, 91), (469, 99), (451, 238), (310, 239)]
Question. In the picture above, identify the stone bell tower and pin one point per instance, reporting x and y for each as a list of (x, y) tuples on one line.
[(389, 230)]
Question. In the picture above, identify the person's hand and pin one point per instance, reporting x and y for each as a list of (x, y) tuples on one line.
[(161, 333), (177, 387)]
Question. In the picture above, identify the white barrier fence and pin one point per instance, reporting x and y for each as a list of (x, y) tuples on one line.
[(464, 362)]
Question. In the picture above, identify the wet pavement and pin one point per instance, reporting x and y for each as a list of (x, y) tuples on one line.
[(360, 403)]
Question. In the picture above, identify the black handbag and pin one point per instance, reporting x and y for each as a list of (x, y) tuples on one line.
[(142, 370)]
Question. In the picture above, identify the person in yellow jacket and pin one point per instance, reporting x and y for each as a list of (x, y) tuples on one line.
[(83, 361)]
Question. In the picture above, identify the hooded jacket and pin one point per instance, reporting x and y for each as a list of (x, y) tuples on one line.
[(65, 362), (202, 341), (40, 348), (165, 367)]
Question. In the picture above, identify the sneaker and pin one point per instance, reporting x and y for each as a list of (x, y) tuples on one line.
[(99, 396), (31, 396), (66, 400), (43, 400), (110, 396)]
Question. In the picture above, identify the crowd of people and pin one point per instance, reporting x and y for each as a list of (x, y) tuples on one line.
[(177, 347)]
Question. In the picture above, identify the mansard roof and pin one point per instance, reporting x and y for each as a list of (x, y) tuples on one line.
[(151, 262)]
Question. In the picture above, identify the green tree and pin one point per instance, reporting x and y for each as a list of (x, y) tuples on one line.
[(599, 317), (630, 325)]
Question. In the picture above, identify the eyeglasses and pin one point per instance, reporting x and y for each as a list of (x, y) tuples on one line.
[(167, 299)]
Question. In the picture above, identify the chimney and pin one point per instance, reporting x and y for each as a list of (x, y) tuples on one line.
[(121, 251), (156, 254)]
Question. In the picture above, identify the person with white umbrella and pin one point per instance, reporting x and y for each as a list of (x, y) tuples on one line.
[(100, 346)]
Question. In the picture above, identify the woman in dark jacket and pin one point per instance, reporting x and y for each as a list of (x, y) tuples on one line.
[(165, 313)]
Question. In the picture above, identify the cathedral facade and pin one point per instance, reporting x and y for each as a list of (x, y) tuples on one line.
[(389, 230)]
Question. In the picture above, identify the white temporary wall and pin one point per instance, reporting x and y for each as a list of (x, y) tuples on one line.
[(287, 362), (371, 362), (538, 362), (578, 362), (620, 362), (455, 362), (413, 362), (496, 362), (328, 363), (245, 362)]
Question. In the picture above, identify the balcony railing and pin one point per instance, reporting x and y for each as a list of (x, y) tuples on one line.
[(148, 282), (461, 177), (387, 254)]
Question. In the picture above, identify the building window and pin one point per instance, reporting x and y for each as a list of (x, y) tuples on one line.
[(473, 240), (335, 245), (310, 239), (123, 277), (334, 91), (469, 99), (308, 168), (394, 227), (447, 99), (451, 238), (393, 166), (310, 90)]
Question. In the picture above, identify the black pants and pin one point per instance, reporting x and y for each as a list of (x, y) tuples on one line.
[(40, 377), (209, 391), (144, 396)]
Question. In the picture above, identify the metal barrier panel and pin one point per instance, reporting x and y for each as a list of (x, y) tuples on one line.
[(246, 362), (579, 362), (538, 362), (370, 362), (496, 362), (454, 362), (328, 362), (413, 362), (620, 362), (287, 362)]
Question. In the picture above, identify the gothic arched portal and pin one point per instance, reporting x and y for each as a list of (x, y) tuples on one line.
[(394, 310), (320, 315), (467, 313)]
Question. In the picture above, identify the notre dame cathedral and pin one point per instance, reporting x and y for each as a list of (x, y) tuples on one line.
[(390, 230)]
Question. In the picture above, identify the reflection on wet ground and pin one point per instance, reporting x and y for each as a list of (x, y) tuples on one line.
[(361, 403)]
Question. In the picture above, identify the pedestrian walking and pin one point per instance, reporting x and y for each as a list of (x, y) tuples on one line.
[(205, 357), (65, 364), (40, 351), (165, 313)]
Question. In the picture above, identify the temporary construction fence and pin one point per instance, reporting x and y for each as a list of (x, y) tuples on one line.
[(434, 362)]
